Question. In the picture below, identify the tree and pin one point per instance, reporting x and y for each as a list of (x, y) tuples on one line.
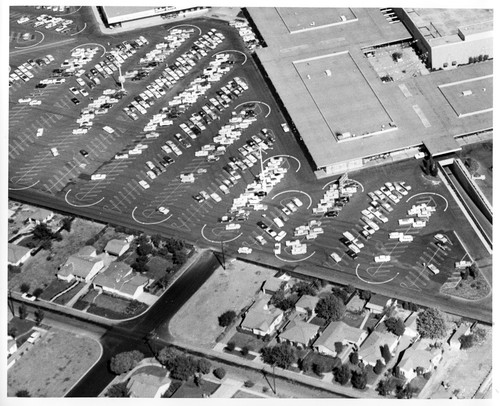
[(23, 393), (338, 347), (359, 379), (473, 270), (343, 374), (42, 232), (46, 245), (23, 311), (118, 390), (379, 367), (226, 318), (431, 324), (341, 294), (396, 56), (230, 346), (12, 331), (282, 302), (244, 351), (219, 372), (39, 315), (466, 341), (167, 355), (404, 392), (180, 257), (25, 287), (204, 366), (330, 307), (305, 364), (349, 289), (143, 250), (336, 364), (156, 240), (385, 387), (395, 326), (125, 361), (248, 384), (282, 355), (183, 368), (354, 358), (304, 288), (386, 353), (37, 292), (365, 295), (66, 224)]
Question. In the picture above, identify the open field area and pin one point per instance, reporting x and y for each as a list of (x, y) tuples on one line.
[(62, 356), (230, 289), (473, 96)]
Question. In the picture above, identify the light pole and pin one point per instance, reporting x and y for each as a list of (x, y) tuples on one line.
[(121, 78), (262, 175)]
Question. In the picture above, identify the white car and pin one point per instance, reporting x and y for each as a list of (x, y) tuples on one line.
[(35, 102), (163, 210), (285, 127), (260, 239), (216, 197), (383, 258), (54, 151), (277, 248), (297, 202), (441, 238), (244, 250), (121, 156), (25, 101), (336, 257), (144, 184), (433, 269), (39, 132), (29, 297), (108, 129), (151, 174), (98, 176), (233, 226), (280, 236)]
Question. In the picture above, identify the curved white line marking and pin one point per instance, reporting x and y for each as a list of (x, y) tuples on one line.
[(218, 242), (68, 14), (326, 184), (295, 260), (91, 43), (83, 205), (430, 193), (142, 222), (233, 50), (85, 26), (374, 283), (26, 187), (256, 101), (286, 156), (186, 25), (295, 191), (34, 45)]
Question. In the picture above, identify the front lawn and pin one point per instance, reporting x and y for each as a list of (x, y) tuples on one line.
[(21, 328), (114, 307), (66, 297), (353, 319), (150, 370), (471, 289), (55, 287), (189, 389), (86, 300), (246, 340)]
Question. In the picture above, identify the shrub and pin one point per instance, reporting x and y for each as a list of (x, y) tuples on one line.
[(379, 367), (466, 341), (230, 346), (427, 375), (226, 318), (219, 373), (204, 366), (354, 358), (125, 361), (248, 384), (244, 351), (25, 287)]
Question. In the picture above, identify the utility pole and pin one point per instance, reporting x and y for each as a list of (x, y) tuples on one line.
[(121, 78), (262, 175), (223, 256), (274, 379)]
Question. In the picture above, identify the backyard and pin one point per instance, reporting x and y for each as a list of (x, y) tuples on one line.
[(62, 356)]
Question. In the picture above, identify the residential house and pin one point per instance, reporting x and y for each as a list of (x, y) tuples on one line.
[(299, 333), (306, 305), (454, 341), (82, 266), (355, 304), (371, 349), (40, 216), (419, 356), (338, 331), (378, 303), (272, 285), (117, 247), (119, 279), (411, 326), (17, 254), (143, 385), (262, 319)]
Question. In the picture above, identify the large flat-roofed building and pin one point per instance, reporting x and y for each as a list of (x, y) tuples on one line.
[(318, 62), (119, 14), (450, 37)]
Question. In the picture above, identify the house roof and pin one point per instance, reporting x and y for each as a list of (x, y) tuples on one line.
[(355, 303), (40, 214), (338, 331), (307, 302), (16, 252), (273, 284), (115, 246), (145, 385), (87, 251), (299, 332), (120, 277), (370, 349), (78, 265), (259, 317), (378, 300), (418, 355)]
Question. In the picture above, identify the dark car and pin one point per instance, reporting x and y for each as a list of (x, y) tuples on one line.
[(168, 160), (351, 254), (344, 241), (75, 100), (84, 153), (199, 198), (260, 193), (331, 213), (261, 225), (40, 86)]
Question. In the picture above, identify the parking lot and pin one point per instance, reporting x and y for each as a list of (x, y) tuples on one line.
[(181, 151)]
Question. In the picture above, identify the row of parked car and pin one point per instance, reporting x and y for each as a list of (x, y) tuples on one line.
[(48, 22), (246, 33), (23, 71)]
